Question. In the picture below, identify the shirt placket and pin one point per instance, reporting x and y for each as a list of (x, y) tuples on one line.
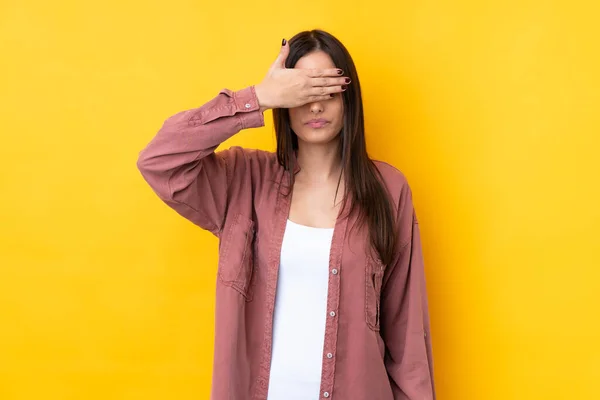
[(282, 209), (333, 302)]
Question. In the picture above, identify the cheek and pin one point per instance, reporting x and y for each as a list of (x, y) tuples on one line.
[(337, 110), (340, 110), (335, 106), (296, 118)]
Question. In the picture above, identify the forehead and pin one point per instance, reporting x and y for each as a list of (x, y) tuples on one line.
[(316, 59)]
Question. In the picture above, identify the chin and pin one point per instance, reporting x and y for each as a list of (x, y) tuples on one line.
[(317, 136)]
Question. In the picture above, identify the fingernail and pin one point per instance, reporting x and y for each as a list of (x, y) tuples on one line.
[(331, 95), (344, 87), (348, 80), (283, 42), (340, 72)]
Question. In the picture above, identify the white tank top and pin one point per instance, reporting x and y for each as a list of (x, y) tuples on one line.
[(300, 313)]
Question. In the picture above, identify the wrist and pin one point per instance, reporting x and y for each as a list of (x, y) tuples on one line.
[(260, 97)]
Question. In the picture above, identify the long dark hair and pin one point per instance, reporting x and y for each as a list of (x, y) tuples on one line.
[(364, 186)]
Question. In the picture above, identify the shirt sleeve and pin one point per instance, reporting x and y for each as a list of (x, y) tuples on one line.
[(180, 163), (405, 325)]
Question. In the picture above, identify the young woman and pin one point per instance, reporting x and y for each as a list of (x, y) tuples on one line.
[(320, 290)]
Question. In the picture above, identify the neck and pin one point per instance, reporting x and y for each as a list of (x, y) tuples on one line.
[(320, 163)]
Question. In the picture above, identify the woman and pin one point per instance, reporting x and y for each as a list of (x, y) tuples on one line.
[(320, 289)]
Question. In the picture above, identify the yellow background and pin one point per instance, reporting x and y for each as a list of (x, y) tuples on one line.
[(491, 108)]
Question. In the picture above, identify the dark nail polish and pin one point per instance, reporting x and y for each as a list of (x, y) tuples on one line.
[(348, 80), (283, 42), (331, 95), (340, 72), (344, 87)]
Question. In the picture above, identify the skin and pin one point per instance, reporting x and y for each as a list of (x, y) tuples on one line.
[(318, 154), (331, 109), (312, 89)]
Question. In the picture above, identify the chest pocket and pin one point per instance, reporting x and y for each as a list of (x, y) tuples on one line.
[(373, 281), (236, 259)]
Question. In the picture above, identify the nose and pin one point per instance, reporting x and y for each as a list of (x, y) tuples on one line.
[(316, 107)]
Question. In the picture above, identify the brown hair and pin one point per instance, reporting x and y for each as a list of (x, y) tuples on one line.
[(364, 185)]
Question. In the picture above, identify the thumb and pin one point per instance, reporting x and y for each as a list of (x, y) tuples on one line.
[(283, 53)]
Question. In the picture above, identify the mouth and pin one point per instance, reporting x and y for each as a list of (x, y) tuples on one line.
[(317, 123)]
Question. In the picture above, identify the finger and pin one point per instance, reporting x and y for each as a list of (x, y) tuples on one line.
[(313, 99), (283, 53), (318, 73), (324, 82), (326, 90)]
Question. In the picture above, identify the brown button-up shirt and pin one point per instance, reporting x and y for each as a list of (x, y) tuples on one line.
[(377, 328)]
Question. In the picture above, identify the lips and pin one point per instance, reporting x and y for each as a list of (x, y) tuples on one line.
[(317, 123)]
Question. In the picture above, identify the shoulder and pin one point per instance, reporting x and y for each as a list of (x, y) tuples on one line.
[(250, 160), (394, 179), (251, 154), (256, 156), (400, 192)]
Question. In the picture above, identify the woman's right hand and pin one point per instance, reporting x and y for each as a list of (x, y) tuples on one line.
[(289, 87)]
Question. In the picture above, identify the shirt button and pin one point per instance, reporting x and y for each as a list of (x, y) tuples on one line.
[(332, 313), (326, 394), (247, 105), (334, 271), (329, 355)]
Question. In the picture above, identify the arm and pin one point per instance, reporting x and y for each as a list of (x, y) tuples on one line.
[(405, 315), (180, 163)]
